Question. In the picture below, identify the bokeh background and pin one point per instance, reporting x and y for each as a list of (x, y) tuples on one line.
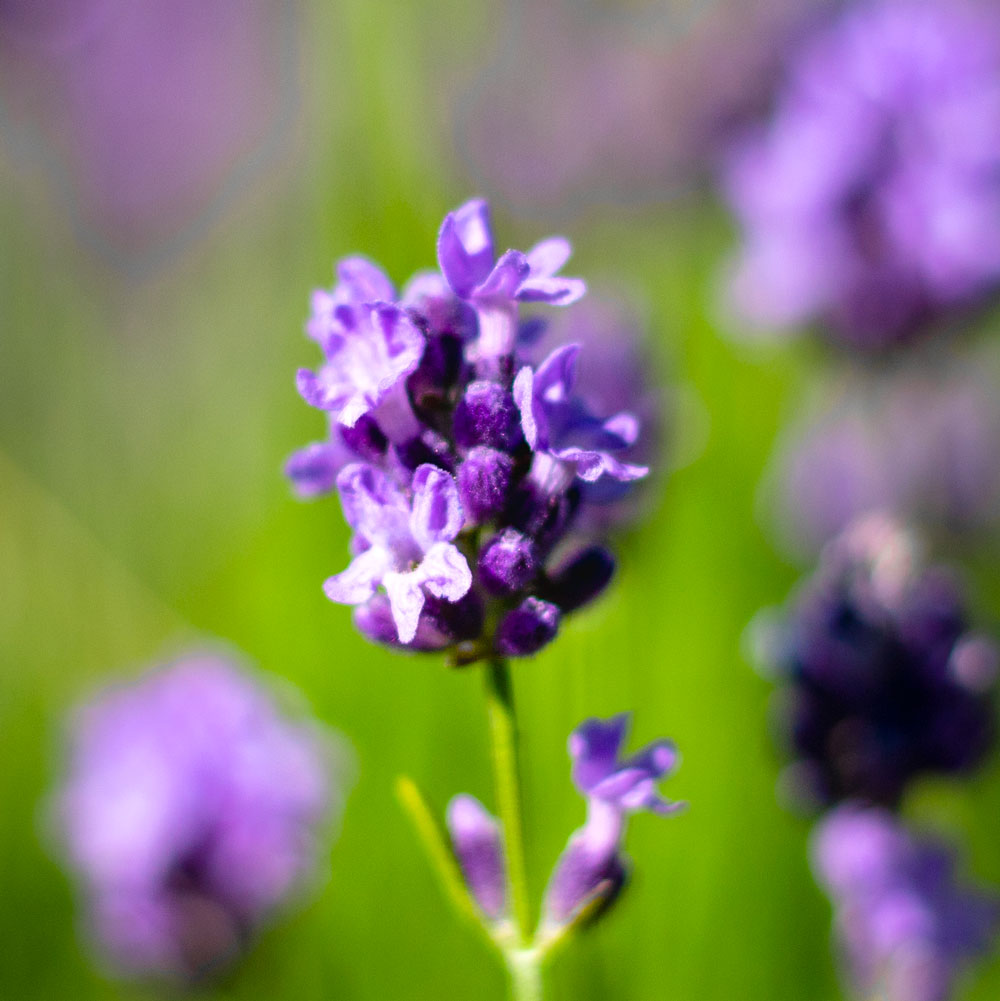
[(171, 189)]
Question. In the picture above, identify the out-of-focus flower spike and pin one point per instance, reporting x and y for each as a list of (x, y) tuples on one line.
[(478, 846)]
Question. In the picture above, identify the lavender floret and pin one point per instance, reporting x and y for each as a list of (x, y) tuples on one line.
[(476, 838), (591, 870), (190, 812)]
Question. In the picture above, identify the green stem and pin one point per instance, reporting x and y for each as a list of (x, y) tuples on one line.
[(525, 968), (503, 739)]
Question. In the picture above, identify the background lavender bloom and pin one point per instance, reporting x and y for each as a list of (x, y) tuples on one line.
[(145, 110), (592, 867), (468, 507), (904, 926), (883, 679), (922, 441), (190, 811), (478, 844), (868, 201)]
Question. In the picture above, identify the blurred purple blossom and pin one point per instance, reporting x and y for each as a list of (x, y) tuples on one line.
[(868, 202), (883, 680), (922, 441), (148, 113), (591, 869), (191, 810), (478, 845), (904, 927)]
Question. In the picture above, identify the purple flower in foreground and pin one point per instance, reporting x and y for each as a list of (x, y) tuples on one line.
[(191, 810), (904, 926), (591, 868), (868, 202), (478, 845), (461, 466), (405, 545), (883, 679)]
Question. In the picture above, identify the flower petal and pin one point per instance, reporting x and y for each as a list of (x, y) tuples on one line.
[(445, 572), (437, 511), (465, 247), (547, 256), (594, 747), (406, 599), (505, 278), (475, 836), (360, 580), (554, 291), (361, 280), (313, 469)]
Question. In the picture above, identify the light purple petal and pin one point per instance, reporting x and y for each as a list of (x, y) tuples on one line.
[(406, 599), (554, 291), (322, 390), (360, 580), (505, 279), (313, 469), (556, 375), (582, 876), (437, 511), (547, 256), (532, 417), (624, 425), (591, 465), (371, 501), (363, 281), (445, 572), (465, 247), (594, 747), (475, 836)]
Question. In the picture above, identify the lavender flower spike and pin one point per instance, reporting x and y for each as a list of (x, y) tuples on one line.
[(475, 836), (904, 926), (466, 257), (191, 810), (404, 545), (591, 868)]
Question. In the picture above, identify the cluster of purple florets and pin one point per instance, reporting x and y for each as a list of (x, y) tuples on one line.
[(462, 466), (885, 681), (868, 203)]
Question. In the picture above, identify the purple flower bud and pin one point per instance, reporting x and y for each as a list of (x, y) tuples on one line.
[(191, 809), (581, 579), (904, 926), (507, 563), (484, 479), (488, 416), (475, 836), (525, 630), (365, 439)]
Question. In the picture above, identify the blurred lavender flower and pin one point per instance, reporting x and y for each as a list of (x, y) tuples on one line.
[(591, 870), (868, 202), (190, 812), (147, 109), (883, 681), (904, 926), (462, 463), (922, 441)]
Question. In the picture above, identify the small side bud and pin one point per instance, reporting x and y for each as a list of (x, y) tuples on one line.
[(475, 837), (487, 415), (484, 483), (526, 629), (581, 579), (508, 563)]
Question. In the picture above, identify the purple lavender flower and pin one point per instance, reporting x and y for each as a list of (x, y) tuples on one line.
[(191, 811), (461, 465), (478, 845), (884, 681), (867, 202), (904, 927), (591, 869), (404, 545)]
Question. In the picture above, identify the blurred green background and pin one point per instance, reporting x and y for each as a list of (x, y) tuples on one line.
[(147, 407)]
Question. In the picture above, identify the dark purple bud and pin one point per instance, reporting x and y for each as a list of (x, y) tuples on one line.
[(458, 620), (487, 415), (365, 439), (507, 563), (581, 579), (437, 373), (475, 836), (426, 447), (544, 517), (484, 483), (527, 628)]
